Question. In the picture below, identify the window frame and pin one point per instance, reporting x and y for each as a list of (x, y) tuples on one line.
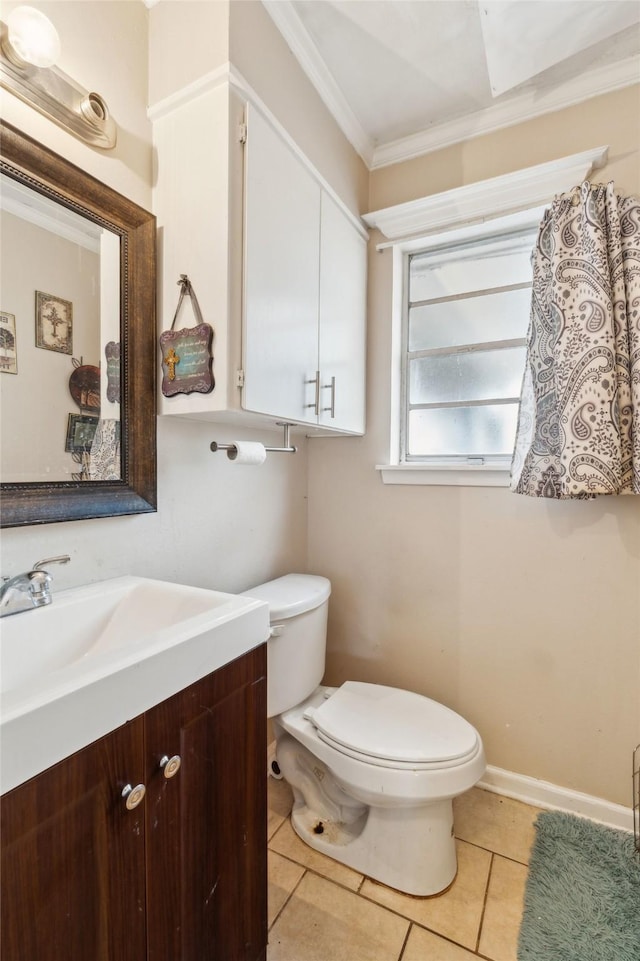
[(448, 471), (458, 212)]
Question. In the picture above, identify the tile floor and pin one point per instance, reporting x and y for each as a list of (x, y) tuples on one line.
[(320, 910)]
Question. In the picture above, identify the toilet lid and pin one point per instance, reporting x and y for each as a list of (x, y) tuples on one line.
[(393, 725)]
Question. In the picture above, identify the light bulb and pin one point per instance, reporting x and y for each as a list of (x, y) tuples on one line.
[(33, 37)]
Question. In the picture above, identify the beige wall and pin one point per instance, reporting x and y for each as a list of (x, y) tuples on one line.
[(187, 40), (522, 615), (217, 525)]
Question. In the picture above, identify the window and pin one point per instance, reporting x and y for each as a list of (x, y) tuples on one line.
[(459, 317), (465, 318)]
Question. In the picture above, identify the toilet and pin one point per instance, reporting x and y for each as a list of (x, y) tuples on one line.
[(373, 769)]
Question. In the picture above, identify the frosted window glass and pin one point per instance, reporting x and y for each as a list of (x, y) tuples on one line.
[(474, 320), (467, 307), (475, 431), (481, 271), (479, 375)]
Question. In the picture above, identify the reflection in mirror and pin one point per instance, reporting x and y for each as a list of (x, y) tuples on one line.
[(77, 342), (60, 283)]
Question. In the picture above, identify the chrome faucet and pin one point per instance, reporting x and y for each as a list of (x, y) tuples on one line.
[(32, 589)]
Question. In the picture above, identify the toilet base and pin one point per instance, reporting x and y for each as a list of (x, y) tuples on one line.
[(410, 848)]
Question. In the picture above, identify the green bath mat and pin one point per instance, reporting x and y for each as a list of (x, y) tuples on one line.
[(582, 899)]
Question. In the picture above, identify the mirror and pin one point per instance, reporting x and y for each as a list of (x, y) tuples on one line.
[(77, 342), (59, 319)]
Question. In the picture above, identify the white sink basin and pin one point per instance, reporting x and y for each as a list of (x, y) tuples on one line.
[(102, 654)]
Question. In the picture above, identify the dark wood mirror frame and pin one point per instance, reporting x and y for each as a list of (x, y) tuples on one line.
[(43, 503)]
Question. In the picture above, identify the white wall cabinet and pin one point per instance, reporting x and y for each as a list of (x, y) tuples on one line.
[(304, 292), (278, 266)]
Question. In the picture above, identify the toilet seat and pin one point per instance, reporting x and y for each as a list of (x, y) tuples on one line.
[(393, 728)]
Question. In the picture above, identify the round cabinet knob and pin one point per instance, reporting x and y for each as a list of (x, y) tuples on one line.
[(170, 765), (133, 795)]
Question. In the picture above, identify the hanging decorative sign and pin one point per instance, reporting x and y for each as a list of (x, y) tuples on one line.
[(112, 353), (186, 354)]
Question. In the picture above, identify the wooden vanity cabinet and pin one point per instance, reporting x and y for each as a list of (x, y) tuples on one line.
[(206, 826), (182, 877), (73, 858)]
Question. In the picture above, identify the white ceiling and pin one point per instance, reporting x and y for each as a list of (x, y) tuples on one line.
[(403, 77)]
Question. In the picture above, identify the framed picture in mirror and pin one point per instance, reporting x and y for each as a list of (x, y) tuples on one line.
[(54, 323), (8, 347), (81, 429)]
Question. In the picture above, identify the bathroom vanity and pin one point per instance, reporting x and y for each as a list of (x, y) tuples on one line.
[(182, 875), (133, 731)]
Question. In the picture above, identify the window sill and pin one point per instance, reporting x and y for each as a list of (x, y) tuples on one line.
[(453, 475)]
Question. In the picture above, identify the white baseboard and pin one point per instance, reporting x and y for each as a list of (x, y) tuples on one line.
[(543, 794), (546, 795)]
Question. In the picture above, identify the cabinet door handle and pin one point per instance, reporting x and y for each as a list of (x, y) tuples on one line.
[(133, 795), (332, 387), (316, 403), (170, 765)]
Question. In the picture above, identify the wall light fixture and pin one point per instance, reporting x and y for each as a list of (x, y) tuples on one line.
[(29, 48)]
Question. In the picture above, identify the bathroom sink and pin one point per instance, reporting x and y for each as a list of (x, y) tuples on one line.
[(101, 654), (120, 617)]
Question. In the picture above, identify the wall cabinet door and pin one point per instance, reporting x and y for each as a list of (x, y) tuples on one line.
[(206, 826), (281, 254), (342, 313), (73, 858), (304, 292)]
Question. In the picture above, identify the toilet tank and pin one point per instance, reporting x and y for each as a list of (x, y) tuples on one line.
[(298, 606)]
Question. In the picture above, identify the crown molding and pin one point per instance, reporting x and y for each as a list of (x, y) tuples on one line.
[(531, 187), (215, 78), (527, 106), (306, 53)]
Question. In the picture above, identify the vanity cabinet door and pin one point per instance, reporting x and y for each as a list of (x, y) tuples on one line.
[(73, 877), (206, 825)]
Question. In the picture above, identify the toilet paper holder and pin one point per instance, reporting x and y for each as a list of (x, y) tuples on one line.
[(287, 447)]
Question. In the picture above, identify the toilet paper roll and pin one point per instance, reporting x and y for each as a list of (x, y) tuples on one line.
[(247, 452)]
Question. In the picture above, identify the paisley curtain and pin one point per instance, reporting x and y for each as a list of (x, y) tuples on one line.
[(579, 422)]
